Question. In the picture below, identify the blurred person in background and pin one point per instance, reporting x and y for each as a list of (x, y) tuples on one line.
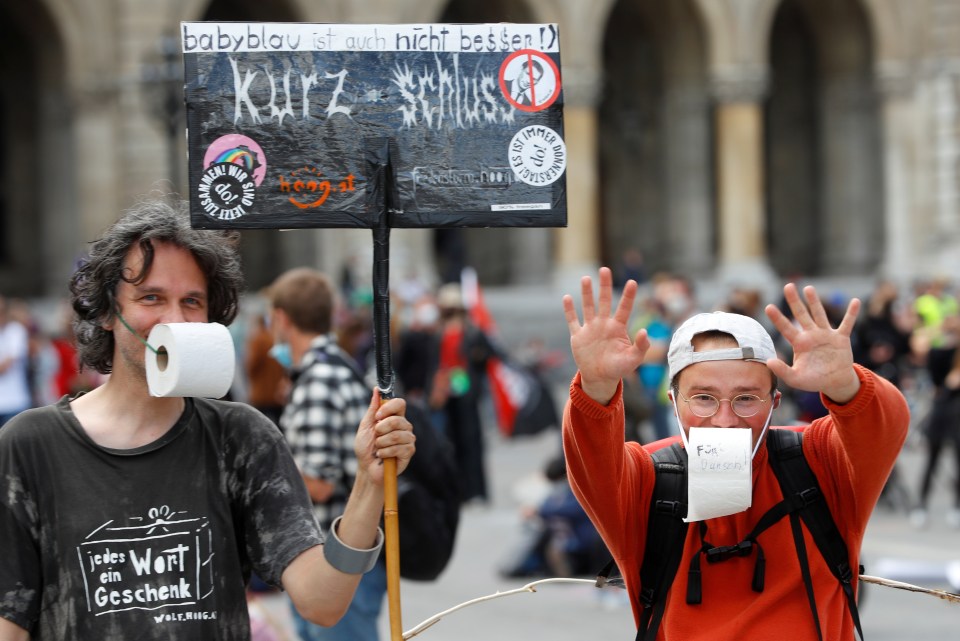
[(267, 379), (69, 379), (934, 305), (417, 359), (934, 338), (631, 267), (327, 400), (672, 302), (41, 357), (354, 335), (560, 538), (463, 354), (941, 426), (881, 343), (882, 337), (644, 397), (14, 361)]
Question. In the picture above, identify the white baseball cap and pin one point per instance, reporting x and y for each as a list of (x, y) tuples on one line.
[(754, 341)]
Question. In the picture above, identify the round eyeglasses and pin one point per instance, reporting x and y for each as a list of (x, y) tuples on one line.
[(706, 405)]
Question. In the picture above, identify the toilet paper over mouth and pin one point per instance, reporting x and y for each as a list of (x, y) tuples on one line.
[(719, 472), (190, 359)]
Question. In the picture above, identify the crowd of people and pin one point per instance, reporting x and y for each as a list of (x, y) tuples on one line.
[(909, 338), (38, 361), (298, 350)]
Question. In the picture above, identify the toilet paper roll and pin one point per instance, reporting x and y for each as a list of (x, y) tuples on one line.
[(191, 359), (719, 472)]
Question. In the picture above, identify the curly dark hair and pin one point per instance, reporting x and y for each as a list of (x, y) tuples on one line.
[(164, 218)]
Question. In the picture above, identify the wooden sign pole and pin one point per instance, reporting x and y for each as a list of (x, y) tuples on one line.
[(378, 158)]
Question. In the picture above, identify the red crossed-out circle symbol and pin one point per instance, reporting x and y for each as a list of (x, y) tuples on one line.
[(530, 80)]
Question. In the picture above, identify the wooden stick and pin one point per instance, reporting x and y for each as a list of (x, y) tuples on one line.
[(940, 594), (391, 527), (529, 587)]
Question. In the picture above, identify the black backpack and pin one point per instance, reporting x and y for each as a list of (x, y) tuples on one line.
[(428, 502), (428, 495), (666, 533)]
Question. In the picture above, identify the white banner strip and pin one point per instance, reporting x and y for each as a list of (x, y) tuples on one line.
[(268, 37)]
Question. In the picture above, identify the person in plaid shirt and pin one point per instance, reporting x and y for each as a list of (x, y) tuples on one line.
[(326, 403)]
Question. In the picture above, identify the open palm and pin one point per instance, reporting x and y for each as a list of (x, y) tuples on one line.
[(822, 355), (601, 345)]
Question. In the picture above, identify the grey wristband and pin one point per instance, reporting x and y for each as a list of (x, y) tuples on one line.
[(347, 559)]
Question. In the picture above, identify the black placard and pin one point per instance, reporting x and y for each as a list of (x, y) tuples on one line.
[(282, 116)]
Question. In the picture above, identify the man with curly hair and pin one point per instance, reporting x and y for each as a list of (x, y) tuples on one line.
[(124, 515)]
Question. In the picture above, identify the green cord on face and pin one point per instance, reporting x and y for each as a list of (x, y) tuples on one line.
[(139, 338)]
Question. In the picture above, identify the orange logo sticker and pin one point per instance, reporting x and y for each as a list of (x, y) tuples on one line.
[(309, 189)]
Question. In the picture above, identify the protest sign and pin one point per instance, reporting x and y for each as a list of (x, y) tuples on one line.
[(281, 118)]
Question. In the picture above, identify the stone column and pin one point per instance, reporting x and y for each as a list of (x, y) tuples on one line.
[(850, 173), (742, 253), (99, 190), (689, 178), (578, 246), (900, 156)]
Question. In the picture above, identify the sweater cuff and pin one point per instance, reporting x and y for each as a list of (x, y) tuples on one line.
[(858, 403), (589, 407)]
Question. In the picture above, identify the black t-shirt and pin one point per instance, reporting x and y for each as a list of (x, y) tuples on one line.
[(152, 543)]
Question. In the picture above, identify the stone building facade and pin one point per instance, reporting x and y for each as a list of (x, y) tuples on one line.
[(748, 139)]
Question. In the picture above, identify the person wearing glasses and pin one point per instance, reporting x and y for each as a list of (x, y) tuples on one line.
[(724, 372)]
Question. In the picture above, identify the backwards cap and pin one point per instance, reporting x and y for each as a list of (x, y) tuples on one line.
[(754, 341)]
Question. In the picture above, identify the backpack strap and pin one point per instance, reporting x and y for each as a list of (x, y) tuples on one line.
[(800, 487), (666, 533)]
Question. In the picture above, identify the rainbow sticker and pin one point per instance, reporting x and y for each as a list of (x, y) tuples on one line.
[(238, 150)]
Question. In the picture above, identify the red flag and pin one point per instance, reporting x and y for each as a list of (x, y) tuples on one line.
[(473, 301), (506, 386)]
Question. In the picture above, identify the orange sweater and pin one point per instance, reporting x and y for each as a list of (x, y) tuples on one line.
[(851, 451)]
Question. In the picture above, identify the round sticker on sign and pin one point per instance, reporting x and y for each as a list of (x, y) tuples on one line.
[(233, 166), (538, 155), (239, 150), (226, 191), (530, 80)]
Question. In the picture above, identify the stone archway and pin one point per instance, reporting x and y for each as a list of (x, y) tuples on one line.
[(37, 177), (823, 149), (655, 138)]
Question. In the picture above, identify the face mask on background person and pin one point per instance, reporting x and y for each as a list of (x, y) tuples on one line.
[(282, 353)]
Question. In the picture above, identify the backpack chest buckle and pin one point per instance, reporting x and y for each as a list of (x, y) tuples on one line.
[(722, 553)]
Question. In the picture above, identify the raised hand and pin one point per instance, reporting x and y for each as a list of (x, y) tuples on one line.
[(822, 355), (601, 345)]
